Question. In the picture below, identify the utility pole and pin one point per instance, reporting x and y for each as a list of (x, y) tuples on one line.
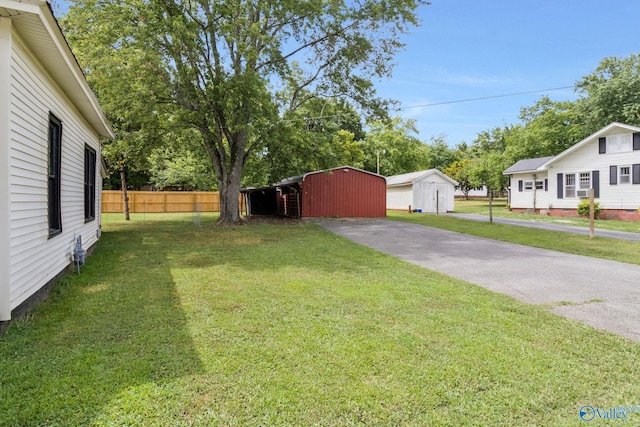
[(378, 160)]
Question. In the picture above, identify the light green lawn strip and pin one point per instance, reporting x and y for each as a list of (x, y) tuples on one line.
[(481, 207), (598, 247), (170, 324)]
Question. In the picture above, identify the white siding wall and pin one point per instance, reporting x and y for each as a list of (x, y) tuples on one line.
[(36, 258), (587, 159), (524, 199), (399, 197), (482, 192), (5, 72)]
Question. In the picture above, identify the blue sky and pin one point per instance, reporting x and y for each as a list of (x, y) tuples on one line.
[(471, 49)]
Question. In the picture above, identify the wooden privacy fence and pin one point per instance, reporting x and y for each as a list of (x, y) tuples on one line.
[(163, 201)]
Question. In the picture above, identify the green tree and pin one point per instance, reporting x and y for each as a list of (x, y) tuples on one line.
[(180, 163), (319, 134), (392, 145), (440, 155), (487, 171), (226, 59), (611, 93), (549, 128), (490, 141), (461, 171), (129, 81)]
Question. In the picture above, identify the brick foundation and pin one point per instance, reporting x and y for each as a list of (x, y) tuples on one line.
[(614, 214)]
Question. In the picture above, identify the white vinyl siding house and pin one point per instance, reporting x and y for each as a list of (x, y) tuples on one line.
[(529, 187), (425, 191), (607, 162), (44, 100), (474, 192)]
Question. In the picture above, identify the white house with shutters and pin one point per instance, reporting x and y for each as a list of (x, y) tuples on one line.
[(426, 191), (607, 161), (50, 159)]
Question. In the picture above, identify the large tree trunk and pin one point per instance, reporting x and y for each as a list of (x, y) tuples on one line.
[(229, 208), (125, 195), (228, 174)]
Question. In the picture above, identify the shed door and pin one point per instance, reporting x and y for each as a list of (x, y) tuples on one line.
[(430, 196), (424, 195), (441, 193)]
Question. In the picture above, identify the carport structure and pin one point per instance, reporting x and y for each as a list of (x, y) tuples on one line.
[(339, 192)]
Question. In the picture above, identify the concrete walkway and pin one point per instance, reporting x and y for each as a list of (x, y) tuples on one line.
[(622, 235), (604, 294)]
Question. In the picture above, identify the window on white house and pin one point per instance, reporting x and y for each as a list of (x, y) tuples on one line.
[(89, 183), (528, 185), (539, 185), (585, 180), (620, 143), (569, 185), (625, 175), (55, 176)]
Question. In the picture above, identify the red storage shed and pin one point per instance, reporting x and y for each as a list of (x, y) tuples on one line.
[(339, 192)]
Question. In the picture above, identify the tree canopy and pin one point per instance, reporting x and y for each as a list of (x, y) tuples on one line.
[(611, 93), (269, 89), (226, 64), (393, 145)]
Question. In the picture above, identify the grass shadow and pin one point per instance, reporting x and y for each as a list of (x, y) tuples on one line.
[(117, 327), (292, 325)]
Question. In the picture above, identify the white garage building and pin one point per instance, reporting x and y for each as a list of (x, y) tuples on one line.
[(425, 191)]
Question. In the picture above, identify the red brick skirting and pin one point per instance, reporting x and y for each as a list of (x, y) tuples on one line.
[(617, 214)]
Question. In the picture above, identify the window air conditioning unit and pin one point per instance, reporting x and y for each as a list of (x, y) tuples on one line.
[(583, 193)]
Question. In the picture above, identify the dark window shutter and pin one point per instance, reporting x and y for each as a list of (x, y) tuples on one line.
[(595, 183), (602, 145), (613, 175), (520, 185), (546, 184), (635, 170), (560, 186), (636, 141)]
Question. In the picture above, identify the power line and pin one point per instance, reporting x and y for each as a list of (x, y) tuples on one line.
[(483, 98), (433, 104)]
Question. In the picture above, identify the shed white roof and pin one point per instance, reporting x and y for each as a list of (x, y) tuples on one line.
[(411, 177)]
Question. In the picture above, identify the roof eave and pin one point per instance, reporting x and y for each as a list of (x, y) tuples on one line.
[(540, 169), (442, 175), (304, 176), (65, 71)]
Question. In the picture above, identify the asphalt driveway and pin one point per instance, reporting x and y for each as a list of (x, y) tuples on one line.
[(604, 294)]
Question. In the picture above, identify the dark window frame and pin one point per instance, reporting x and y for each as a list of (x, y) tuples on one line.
[(90, 161), (54, 176)]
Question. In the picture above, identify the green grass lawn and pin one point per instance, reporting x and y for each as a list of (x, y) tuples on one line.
[(174, 324), (481, 207)]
